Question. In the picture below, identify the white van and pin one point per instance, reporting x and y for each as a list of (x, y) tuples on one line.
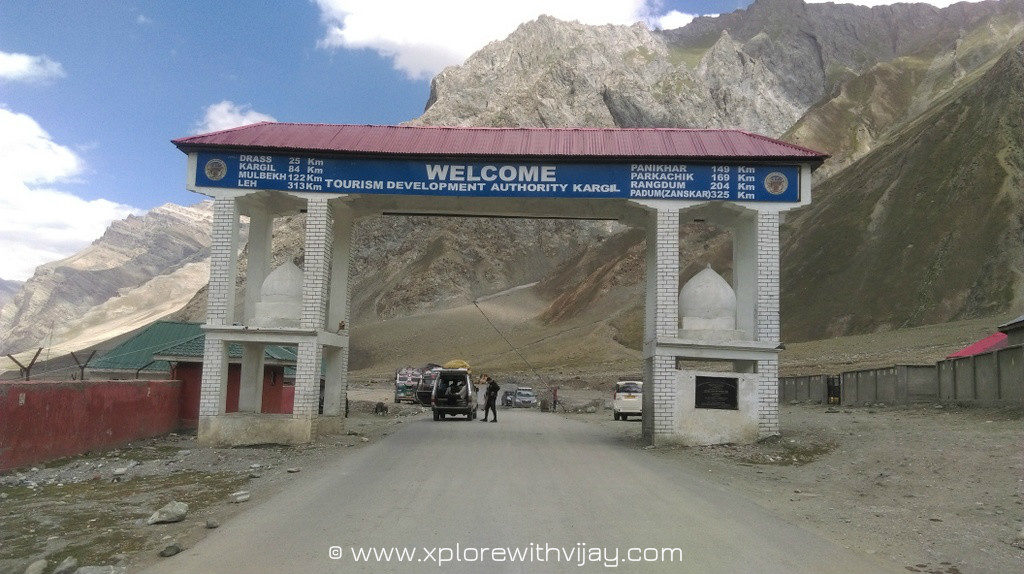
[(628, 399)]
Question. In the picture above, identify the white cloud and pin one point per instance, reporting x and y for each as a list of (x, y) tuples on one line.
[(227, 114), (42, 224), (674, 19), (423, 37), (142, 20), (26, 68)]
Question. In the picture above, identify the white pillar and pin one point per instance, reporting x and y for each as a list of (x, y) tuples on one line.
[(661, 320), (220, 308), (768, 320), (307, 379), (335, 387), (213, 390), (220, 295), (341, 262), (319, 236), (257, 259), (250, 385), (744, 273), (336, 360)]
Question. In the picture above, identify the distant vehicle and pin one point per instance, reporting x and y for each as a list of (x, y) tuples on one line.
[(508, 398), (425, 389), (453, 394), (524, 397), (627, 400), (406, 381)]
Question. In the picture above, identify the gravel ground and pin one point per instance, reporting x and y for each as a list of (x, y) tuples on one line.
[(94, 507), (937, 490), (940, 490)]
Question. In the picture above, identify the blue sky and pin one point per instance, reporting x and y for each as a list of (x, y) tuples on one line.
[(92, 92)]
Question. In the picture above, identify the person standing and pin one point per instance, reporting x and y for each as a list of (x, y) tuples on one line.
[(491, 397)]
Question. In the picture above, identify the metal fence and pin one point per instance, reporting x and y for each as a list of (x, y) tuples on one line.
[(989, 379)]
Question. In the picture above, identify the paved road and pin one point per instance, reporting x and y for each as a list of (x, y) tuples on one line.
[(532, 479)]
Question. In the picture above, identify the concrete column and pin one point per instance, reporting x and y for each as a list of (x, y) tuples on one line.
[(661, 320), (307, 379), (258, 258), (744, 273), (319, 236), (336, 383), (767, 328), (220, 309), (341, 261), (335, 380), (250, 388), (213, 390)]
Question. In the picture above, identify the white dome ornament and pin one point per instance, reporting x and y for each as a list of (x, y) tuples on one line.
[(280, 303), (707, 307)]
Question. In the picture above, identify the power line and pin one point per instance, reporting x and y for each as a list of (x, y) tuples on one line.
[(513, 347)]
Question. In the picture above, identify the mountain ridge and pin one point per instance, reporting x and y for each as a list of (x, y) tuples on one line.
[(884, 89)]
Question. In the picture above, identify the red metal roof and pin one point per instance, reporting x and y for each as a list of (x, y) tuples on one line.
[(608, 143), (993, 342)]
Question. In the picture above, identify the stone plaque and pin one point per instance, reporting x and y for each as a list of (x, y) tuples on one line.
[(717, 393)]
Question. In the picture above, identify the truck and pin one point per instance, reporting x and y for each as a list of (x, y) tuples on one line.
[(406, 381), (453, 393)]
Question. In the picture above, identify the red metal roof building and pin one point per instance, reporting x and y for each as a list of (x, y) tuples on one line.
[(993, 342), (583, 143)]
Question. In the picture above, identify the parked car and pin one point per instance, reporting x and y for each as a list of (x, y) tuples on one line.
[(453, 394), (627, 400), (406, 381), (508, 398), (525, 397)]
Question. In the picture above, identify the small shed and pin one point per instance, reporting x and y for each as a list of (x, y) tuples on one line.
[(185, 361)]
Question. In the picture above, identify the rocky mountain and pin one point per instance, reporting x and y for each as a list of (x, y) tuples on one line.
[(927, 227), (917, 218), (550, 73), (132, 252), (404, 265), (8, 289), (866, 83)]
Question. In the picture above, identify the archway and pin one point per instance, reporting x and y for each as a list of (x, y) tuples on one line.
[(648, 178)]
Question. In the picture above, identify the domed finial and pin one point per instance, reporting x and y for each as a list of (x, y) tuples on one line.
[(707, 302), (280, 303), (285, 282)]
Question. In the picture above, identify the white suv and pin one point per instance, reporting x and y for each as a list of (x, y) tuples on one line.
[(628, 399)]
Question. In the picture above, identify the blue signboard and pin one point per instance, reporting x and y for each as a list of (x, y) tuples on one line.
[(727, 182)]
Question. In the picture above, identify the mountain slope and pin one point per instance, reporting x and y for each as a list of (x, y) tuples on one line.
[(406, 265), (130, 253), (929, 227), (869, 108), (8, 289)]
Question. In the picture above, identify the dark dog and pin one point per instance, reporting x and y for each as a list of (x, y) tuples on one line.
[(380, 409)]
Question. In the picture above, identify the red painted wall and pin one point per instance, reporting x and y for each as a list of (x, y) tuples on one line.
[(277, 397), (191, 377), (46, 420)]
